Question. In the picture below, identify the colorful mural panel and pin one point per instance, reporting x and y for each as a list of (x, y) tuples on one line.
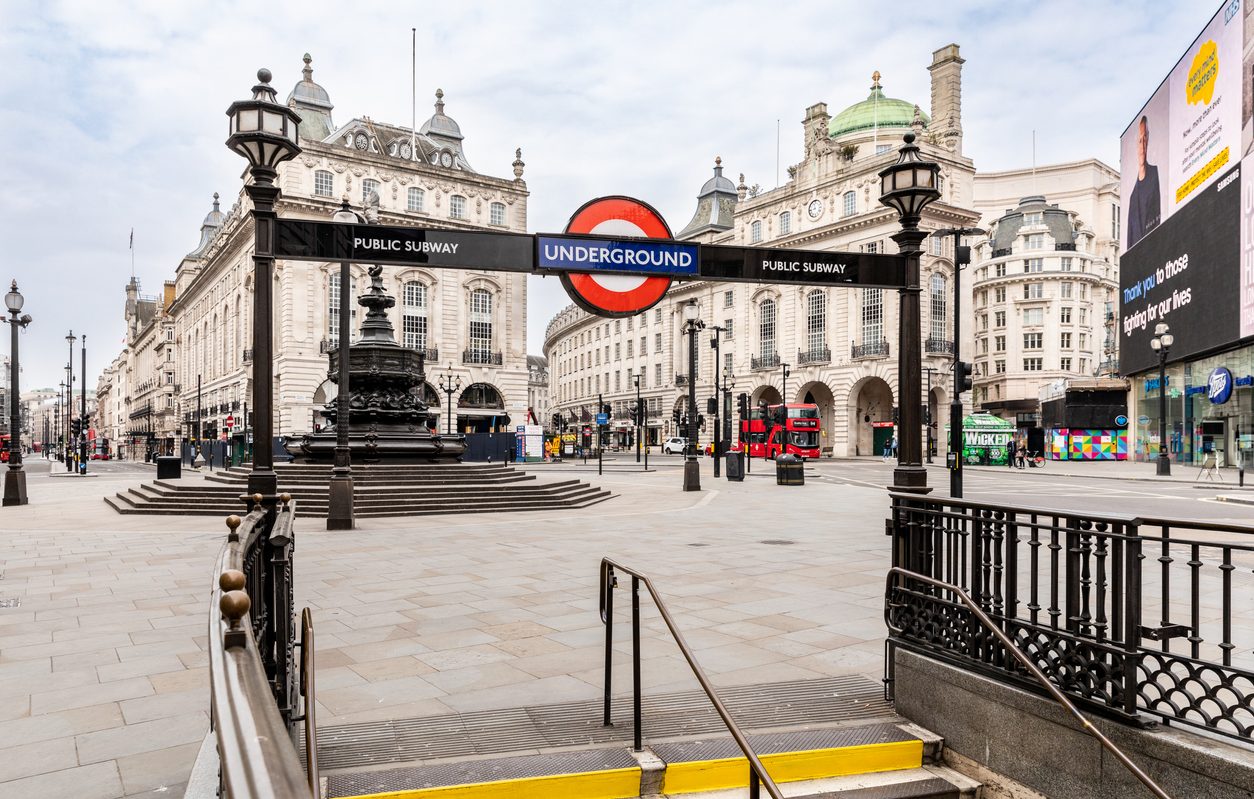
[(1088, 445)]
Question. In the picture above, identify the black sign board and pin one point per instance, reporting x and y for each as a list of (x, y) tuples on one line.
[(809, 267), (298, 239), (407, 246)]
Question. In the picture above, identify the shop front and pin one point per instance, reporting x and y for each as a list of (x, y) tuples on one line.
[(1210, 410)]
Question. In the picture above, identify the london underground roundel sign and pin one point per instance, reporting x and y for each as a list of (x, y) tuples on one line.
[(616, 295)]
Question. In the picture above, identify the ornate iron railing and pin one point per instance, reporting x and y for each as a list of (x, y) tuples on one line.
[(481, 357), (1095, 600), (757, 362), (871, 349), (816, 355), (609, 581), (942, 346), (254, 683)]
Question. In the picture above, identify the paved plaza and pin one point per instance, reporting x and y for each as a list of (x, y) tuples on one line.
[(103, 670)]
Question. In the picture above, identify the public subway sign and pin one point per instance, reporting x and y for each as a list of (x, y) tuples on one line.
[(299, 239)]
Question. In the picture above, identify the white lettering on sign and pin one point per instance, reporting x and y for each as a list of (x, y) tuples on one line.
[(577, 253), (804, 266), (395, 245)]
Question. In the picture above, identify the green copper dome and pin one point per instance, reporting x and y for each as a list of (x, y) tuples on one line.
[(875, 110)]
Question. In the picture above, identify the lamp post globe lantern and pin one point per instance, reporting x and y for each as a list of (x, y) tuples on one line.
[(692, 471), (908, 186), (15, 476), (264, 132), (449, 384), (1161, 344)]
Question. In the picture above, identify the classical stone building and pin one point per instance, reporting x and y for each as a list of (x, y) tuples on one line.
[(1045, 283), (837, 343), (472, 323), (539, 403)]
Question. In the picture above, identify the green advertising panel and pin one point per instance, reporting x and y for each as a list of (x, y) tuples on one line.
[(986, 439)]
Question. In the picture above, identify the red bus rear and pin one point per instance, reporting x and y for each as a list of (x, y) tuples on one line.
[(801, 426)]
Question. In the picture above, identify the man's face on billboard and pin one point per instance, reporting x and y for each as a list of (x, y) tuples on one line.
[(1142, 141)]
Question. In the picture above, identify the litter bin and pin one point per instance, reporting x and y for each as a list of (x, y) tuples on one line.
[(169, 467), (789, 470), (736, 466)]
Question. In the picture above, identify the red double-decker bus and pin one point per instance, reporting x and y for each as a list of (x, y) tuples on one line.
[(765, 437)]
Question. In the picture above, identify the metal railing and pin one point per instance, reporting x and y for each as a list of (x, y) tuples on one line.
[(757, 362), (482, 357), (871, 349), (942, 346), (252, 672), (1073, 589), (757, 772), (895, 589), (816, 355)]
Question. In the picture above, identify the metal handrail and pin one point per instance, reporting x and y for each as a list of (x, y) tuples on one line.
[(1014, 651), (608, 581), (256, 755)]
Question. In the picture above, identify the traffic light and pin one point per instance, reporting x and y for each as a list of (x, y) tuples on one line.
[(927, 415), (711, 406), (557, 421), (962, 376), (700, 422), (762, 408), (896, 414), (675, 417), (742, 404), (605, 409)]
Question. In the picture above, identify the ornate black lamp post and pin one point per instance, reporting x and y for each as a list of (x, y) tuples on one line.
[(715, 343), (69, 410), (82, 414), (340, 506), (692, 472), (264, 132), (639, 415), (15, 477), (907, 187), (449, 384), (1161, 343), (962, 369)]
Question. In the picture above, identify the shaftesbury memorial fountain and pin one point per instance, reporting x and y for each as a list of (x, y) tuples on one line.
[(387, 416)]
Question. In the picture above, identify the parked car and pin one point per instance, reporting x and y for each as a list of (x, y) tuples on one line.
[(674, 446)]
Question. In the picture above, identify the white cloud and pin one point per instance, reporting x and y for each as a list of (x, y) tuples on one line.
[(115, 111)]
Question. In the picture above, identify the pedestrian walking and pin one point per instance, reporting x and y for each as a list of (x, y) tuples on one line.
[(888, 449), (1022, 454)]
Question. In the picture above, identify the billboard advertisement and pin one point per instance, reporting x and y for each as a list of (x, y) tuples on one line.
[(1187, 211)]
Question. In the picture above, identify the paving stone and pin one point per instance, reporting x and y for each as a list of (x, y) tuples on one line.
[(146, 736), (29, 759), (179, 703), (92, 694), (96, 781), (161, 772)]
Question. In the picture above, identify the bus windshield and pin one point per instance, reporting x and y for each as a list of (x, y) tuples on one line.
[(803, 413)]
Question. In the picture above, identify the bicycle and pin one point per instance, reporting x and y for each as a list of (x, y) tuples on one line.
[(1036, 460)]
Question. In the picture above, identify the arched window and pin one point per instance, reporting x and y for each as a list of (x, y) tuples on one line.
[(416, 196), (766, 329), (333, 308), (497, 214), (816, 321), (457, 206), (872, 317), (414, 321), (368, 185), (939, 292), (755, 232), (785, 223), (480, 323), (323, 183), (851, 203)]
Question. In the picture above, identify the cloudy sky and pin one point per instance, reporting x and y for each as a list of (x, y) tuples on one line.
[(115, 110)]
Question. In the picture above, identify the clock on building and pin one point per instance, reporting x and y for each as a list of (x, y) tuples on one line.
[(446, 159), (815, 208), (361, 142)]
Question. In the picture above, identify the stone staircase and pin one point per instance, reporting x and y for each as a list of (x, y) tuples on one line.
[(379, 490)]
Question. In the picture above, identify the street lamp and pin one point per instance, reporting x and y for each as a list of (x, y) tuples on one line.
[(962, 370), (692, 472), (907, 187), (69, 411), (82, 415), (639, 414), (449, 387), (718, 442), (264, 132), (1161, 343), (15, 477), (340, 504)]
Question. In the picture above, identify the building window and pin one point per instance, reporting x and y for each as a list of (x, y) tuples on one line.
[(999, 319), (1065, 264), (1084, 366), (414, 319), (1034, 265), (816, 320), (1114, 222), (416, 196), (1084, 316), (729, 298), (369, 185), (1033, 341), (755, 232), (999, 343), (1064, 315), (323, 183), (1032, 364), (1064, 364), (999, 367), (1036, 241), (999, 294), (1065, 341), (1084, 291), (850, 203), (983, 321), (984, 346), (618, 380), (727, 362), (481, 321), (631, 346), (657, 315), (939, 306), (630, 321), (1033, 218), (871, 246), (1034, 316), (657, 342), (785, 223), (496, 214), (766, 329), (618, 351), (457, 206), (333, 308), (872, 316), (1033, 291), (999, 270), (728, 328), (1064, 290), (937, 244), (1084, 341)]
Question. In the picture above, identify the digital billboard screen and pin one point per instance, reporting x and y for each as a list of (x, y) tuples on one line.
[(1187, 196)]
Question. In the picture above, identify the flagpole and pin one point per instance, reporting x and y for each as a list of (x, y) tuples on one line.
[(413, 93)]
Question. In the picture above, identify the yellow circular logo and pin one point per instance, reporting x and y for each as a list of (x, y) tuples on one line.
[(1202, 73)]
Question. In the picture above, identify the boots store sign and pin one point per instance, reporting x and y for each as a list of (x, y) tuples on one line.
[(616, 258)]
